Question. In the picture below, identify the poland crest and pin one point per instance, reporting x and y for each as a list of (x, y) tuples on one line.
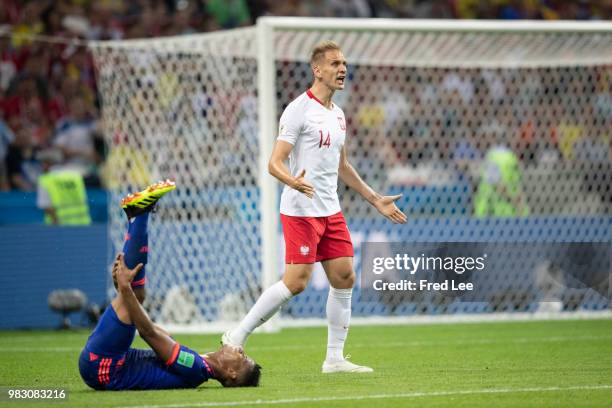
[(304, 250)]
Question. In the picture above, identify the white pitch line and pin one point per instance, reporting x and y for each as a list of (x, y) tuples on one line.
[(433, 343), (376, 396)]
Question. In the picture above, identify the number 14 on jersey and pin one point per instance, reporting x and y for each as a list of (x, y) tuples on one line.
[(326, 142)]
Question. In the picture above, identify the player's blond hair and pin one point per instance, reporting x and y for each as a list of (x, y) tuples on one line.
[(321, 48)]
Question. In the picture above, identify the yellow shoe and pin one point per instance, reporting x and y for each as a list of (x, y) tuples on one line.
[(144, 201)]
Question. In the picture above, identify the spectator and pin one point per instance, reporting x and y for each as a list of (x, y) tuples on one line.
[(75, 137), (500, 192), (6, 138), (61, 193), (22, 168), (30, 22), (11, 60), (229, 13)]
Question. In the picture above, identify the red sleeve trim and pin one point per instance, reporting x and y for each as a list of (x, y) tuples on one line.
[(175, 351)]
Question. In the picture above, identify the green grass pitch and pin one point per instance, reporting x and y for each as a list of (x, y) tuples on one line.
[(543, 363)]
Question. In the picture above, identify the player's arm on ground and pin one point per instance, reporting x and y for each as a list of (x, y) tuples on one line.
[(384, 204), (277, 168), (157, 338)]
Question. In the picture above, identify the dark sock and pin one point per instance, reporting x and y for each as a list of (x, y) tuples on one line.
[(136, 247)]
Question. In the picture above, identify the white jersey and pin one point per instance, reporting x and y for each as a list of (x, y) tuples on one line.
[(317, 135)]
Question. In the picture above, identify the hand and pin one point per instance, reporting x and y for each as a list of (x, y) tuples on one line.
[(386, 206), (122, 274), (301, 185)]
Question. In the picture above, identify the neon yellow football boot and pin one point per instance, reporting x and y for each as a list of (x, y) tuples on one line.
[(144, 201)]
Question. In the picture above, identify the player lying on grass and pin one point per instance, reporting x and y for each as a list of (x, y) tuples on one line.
[(109, 363)]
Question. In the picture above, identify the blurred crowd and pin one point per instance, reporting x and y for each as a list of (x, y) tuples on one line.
[(49, 100), (439, 127)]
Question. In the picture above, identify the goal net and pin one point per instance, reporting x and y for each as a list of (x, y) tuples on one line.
[(426, 102)]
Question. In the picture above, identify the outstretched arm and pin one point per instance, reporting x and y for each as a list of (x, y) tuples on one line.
[(384, 204), (157, 338), (277, 168)]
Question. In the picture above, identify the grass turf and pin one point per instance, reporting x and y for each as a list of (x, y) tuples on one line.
[(545, 363)]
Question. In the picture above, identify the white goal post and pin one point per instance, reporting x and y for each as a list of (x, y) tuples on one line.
[(204, 109)]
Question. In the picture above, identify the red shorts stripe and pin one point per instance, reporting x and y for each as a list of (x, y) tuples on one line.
[(108, 367), (107, 371), (103, 370), (314, 239), (100, 367), (175, 351)]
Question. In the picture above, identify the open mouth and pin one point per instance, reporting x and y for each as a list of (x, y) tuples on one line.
[(340, 79)]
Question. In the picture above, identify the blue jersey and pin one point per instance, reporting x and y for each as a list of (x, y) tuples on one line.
[(108, 363)]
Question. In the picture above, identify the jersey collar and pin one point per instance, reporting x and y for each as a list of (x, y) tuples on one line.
[(312, 96), (209, 370)]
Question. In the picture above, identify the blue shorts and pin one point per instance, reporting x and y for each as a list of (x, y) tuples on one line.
[(109, 363)]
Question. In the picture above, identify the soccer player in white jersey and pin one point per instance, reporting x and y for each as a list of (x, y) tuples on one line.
[(312, 136)]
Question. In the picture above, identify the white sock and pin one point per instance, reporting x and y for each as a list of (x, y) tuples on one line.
[(338, 319), (270, 301)]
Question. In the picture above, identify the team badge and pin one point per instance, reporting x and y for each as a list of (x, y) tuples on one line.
[(342, 124), (304, 250)]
